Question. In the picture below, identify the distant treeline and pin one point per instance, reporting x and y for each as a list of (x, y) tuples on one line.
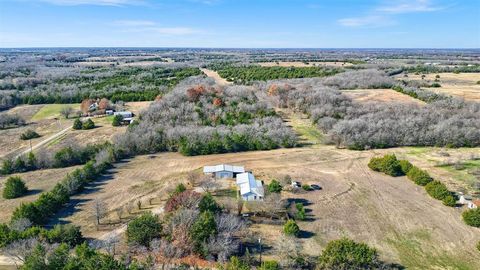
[(441, 69), (128, 84), (245, 74)]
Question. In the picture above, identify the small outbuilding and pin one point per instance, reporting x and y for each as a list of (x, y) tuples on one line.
[(223, 171), (250, 188)]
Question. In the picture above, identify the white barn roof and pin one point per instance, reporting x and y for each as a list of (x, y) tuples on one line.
[(248, 184), (223, 167)]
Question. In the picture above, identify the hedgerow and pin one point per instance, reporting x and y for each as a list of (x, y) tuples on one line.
[(420, 177)]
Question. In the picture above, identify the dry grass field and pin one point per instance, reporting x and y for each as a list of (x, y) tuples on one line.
[(462, 85), (37, 182), (11, 144), (392, 214), (379, 95), (303, 64)]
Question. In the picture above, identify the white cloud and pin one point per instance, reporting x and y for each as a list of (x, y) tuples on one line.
[(410, 6), (384, 15), (94, 2), (367, 21)]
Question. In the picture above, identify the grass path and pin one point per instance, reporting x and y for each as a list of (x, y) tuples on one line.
[(308, 133)]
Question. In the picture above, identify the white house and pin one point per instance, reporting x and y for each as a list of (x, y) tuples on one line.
[(223, 170), (467, 200), (250, 188), (125, 114)]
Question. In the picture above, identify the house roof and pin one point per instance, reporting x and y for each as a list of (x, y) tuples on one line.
[(248, 184), (124, 114), (223, 167)]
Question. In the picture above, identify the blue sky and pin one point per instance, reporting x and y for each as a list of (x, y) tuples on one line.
[(241, 23)]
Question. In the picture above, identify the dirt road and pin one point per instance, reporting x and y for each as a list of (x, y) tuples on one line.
[(44, 142), (213, 74)]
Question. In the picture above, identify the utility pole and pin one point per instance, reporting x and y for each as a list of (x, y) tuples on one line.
[(260, 248)]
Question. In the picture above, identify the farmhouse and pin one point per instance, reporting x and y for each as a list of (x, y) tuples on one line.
[(127, 117), (250, 188), (223, 171)]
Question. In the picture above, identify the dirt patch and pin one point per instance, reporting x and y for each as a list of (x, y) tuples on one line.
[(379, 95), (213, 74)]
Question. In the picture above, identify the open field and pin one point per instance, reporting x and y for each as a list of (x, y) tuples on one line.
[(56, 133), (305, 64), (462, 85), (37, 182), (50, 111), (379, 95), (11, 144)]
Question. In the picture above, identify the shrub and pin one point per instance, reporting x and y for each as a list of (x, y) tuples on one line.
[(291, 228), (203, 228), (7, 167), (300, 214), (269, 265), (375, 164), (179, 189), (307, 187), (77, 124), (117, 120), (472, 217), (347, 254), (29, 134), (235, 264), (89, 124), (143, 229), (387, 164), (419, 176), (405, 165), (274, 187), (68, 233), (450, 201), (437, 190), (207, 203), (14, 187)]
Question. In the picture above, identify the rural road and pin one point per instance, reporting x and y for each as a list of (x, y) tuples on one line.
[(214, 75), (46, 141)]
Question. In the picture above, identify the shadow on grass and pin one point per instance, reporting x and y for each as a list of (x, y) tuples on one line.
[(33, 192), (305, 234)]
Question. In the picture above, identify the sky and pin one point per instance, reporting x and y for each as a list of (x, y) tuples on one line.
[(241, 23)]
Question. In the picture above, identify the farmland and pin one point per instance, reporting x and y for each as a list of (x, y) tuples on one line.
[(316, 118)]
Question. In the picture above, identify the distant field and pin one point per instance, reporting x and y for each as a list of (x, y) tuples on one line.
[(303, 64), (462, 85), (379, 95), (50, 111)]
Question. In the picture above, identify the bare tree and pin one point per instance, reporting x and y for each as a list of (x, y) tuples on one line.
[(20, 224), (288, 250), (66, 111), (99, 210)]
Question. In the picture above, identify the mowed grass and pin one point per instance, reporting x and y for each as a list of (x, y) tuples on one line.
[(308, 133), (52, 110), (415, 252), (464, 173)]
